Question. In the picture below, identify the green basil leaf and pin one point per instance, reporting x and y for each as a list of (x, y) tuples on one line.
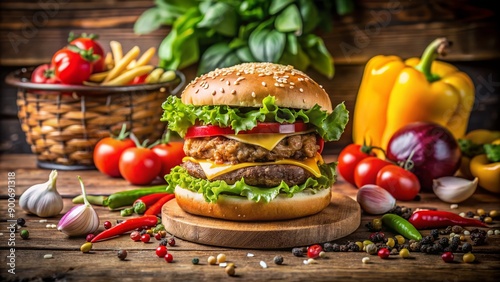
[(221, 17), (292, 43), (217, 56), (300, 60), (149, 21), (289, 20), (278, 5), (321, 60), (177, 4), (267, 45), (344, 7), (309, 14), (245, 54)]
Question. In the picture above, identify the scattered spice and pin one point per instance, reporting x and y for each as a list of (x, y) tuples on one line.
[(25, 234), (122, 254), (21, 222), (278, 260), (195, 261), (86, 247)]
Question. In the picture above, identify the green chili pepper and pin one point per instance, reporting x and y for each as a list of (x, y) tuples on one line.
[(127, 212), (93, 199), (402, 226), (127, 198)]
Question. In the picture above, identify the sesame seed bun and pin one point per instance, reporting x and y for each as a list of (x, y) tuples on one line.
[(246, 85)]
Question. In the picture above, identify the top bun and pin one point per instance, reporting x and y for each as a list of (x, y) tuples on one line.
[(246, 85)]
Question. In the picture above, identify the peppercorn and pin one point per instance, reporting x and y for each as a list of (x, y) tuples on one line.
[(171, 241), (377, 237), (437, 247), (122, 254), (488, 219), (85, 248), (195, 261), (344, 248), (328, 247), (415, 246), (404, 253), (336, 247), (493, 213), (394, 252), (447, 230), (221, 258), (278, 260), (25, 234), (211, 260), (444, 242), (478, 236), (353, 247), (466, 248), (468, 257), (377, 224), (298, 252), (21, 222), (434, 233), (427, 240), (469, 214), (371, 249), (230, 270), (163, 242), (390, 242)]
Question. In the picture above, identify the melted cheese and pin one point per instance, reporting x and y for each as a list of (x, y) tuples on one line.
[(213, 170), (267, 141)]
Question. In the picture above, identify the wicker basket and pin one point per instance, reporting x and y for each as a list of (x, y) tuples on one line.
[(64, 122)]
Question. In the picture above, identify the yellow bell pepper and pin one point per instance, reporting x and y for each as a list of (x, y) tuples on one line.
[(486, 167), (471, 145), (394, 93)]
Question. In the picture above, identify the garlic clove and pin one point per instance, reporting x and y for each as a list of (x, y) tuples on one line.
[(374, 199), (43, 199), (453, 189), (81, 219)]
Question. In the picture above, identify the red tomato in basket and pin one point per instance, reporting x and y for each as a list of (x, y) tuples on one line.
[(86, 43), (44, 74), (139, 165), (107, 154), (402, 184), (171, 155), (141, 79), (72, 66)]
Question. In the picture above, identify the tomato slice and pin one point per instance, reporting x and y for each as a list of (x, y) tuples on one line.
[(262, 127)]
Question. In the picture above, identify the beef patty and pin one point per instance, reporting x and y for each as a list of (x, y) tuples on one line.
[(224, 150), (265, 175)]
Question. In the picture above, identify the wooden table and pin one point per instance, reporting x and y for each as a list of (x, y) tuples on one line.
[(68, 263)]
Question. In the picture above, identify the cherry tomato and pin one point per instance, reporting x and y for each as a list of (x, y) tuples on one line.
[(262, 127), (107, 154), (170, 154), (367, 169), (139, 166), (85, 43), (161, 251), (72, 66), (402, 184), (44, 74), (314, 251), (349, 157)]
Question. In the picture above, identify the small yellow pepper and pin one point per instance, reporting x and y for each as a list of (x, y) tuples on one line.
[(471, 145), (394, 93), (486, 167)]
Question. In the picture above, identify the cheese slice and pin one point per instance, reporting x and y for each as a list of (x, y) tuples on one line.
[(267, 141), (213, 170)]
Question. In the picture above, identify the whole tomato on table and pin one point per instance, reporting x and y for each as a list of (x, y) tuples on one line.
[(367, 169), (170, 153), (139, 165), (402, 184), (349, 157), (73, 65), (89, 42), (108, 150)]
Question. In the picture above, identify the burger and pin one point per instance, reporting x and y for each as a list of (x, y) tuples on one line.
[(254, 134)]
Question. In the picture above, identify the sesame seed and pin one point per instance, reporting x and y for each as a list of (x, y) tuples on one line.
[(276, 84), (238, 74), (253, 94), (261, 74), (300, 79), (197, 90), (233, 92), (213, 93), (282, 85), (236, 83), (228, 83), (291, 83), (264, 83), (206, 86), (301, 90), (221, 79), (291, 87), (321, 86), (221, 90)]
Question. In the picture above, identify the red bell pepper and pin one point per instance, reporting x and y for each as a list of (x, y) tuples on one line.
[(155, 209), (428, 219)]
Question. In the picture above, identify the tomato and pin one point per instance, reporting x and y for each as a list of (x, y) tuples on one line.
[(85, 43), (402, 184), (107, 154), (44, 74), (262, 127), (367, 169), (139, 165), (72, 66), (139, 79), (349, 157), (170, 154)]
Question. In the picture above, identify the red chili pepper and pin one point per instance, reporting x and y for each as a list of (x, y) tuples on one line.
[(156, 208), (428, 219), (125, 226), (149, 200)]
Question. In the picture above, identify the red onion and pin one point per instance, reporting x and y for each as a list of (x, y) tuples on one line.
[(431, 150)]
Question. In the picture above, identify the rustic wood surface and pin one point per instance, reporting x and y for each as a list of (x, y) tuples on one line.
[(69, 264), (340, 218)]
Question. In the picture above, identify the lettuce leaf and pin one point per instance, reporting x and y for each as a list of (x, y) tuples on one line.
[(211, 190), (180, 117)]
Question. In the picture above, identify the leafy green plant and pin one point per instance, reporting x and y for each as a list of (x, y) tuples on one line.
[(222, 33)]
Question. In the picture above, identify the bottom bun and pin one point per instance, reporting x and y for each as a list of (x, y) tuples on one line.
[(241, 209)]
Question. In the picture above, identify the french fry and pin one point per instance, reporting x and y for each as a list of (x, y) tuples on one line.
[(98, 77), (121, 65), (154, 76), (132, 65), (129, 75), (108, 61), (146, 57), (116, 49)]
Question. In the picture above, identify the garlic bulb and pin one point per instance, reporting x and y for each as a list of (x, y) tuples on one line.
[(374, 199), (453, 189), (43, 199), (81, 219)]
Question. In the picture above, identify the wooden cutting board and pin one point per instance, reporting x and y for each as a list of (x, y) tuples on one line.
[(341, 218)]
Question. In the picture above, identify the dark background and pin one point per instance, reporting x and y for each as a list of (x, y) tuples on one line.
[(31, 31)]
